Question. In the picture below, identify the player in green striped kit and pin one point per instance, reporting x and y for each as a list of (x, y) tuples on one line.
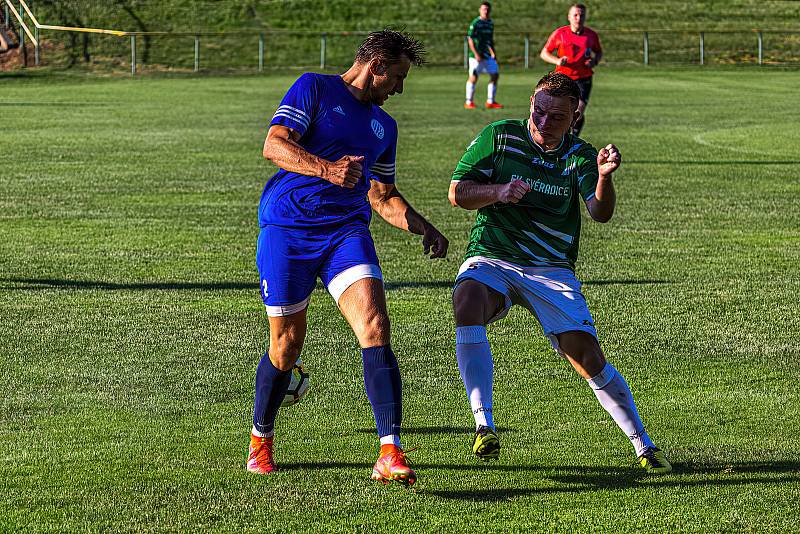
[(527, 179), (480, 38)]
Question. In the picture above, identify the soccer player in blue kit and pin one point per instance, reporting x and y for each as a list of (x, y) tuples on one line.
[(335, 147)]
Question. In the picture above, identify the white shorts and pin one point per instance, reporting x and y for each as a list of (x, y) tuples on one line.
[(552, 294), (487, 66)]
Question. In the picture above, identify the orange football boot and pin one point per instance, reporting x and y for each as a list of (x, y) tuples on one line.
[(494, 105), (469, 105), (392, 464), (260, 460)]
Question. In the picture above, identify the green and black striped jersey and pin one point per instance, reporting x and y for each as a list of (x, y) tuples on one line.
[(543, 229), (482, 33)]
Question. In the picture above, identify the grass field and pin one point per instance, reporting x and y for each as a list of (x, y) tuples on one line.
[(131, 322)]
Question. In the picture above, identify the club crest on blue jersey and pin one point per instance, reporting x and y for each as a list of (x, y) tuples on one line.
[(377, 128)]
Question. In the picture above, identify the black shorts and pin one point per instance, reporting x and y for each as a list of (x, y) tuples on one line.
[(585, 86)]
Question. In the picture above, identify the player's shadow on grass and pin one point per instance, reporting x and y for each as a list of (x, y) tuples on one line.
[(580, 479)]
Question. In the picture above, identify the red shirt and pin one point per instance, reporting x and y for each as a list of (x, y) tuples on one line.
[(577, 48)]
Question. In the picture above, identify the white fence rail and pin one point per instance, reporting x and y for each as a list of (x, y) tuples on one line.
[(257, 50)]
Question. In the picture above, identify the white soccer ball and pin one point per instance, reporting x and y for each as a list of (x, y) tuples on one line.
[(298, 386)]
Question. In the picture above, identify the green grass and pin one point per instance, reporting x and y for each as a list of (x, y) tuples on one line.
[(132, 324)]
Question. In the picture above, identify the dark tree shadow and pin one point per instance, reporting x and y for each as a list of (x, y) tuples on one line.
[(49, 283), (57, 104), (33, 284), (700, 162), (624, 282), (448, 284)]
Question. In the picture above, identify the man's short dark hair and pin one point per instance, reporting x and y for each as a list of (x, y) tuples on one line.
[(557, 84), (582, 7), (389, 46), (487, 4)]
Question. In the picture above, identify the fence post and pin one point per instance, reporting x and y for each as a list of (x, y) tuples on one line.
[(133, 55), (260, 52), (36, 48), (466, 47), (527, 51), (760, 47), (702, 48), (323, 45), (196, 53), (646, 48), (22, 36), (5, 12)]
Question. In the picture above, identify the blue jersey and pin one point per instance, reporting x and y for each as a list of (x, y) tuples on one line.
[(332, 123)]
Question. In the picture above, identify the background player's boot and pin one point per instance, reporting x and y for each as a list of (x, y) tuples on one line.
[(655, 461), (260, 459), (486, 445), (392, 464), (469, 105), (494, 105)]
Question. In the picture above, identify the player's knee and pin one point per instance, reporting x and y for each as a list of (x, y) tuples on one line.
[(470, 301), (584, 350)]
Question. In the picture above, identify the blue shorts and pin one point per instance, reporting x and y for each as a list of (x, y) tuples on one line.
[(290, 260)]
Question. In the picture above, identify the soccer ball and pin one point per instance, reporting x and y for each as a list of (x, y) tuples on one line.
[(298, 386)]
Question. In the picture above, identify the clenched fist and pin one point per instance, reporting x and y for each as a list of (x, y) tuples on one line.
[(608, 160), (512, 192), (345, 172)]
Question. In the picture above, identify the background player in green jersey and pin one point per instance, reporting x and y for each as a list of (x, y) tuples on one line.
[(527, 178), (480, 38)]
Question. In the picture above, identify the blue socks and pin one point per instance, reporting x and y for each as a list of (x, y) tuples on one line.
[(384, 390), (271, 386), (477, 370)]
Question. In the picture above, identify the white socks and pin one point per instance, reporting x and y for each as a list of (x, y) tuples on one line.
[(391, 439), (614, 395), (491, 90), (258, 434), (470, 91), (477, 370)]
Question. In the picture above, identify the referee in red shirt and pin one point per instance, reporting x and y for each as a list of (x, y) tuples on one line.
[(575, 50)]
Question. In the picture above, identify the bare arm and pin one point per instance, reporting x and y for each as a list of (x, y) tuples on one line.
[(282, 149), (547, 57), (472, 47), (387, 201), (601, 206), (474, 195)]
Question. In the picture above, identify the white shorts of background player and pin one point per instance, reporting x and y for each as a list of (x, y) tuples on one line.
[(487, 66)]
